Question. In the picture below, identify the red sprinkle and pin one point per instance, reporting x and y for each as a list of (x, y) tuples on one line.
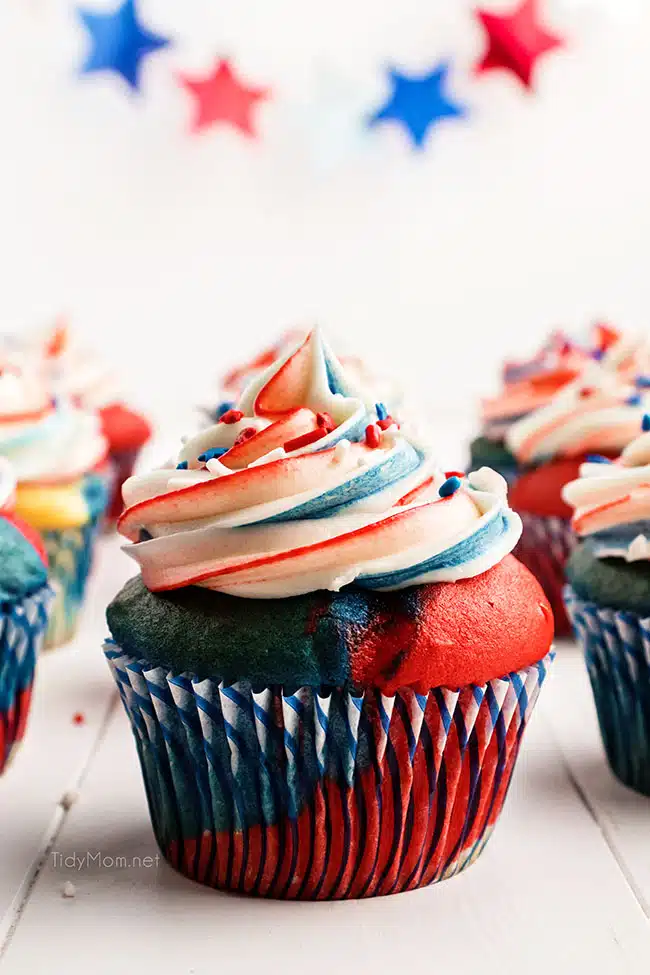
[(460, 474), (231, 416), (387, 422), (373, 435), (78, 718), (245, 435), (325, 420), (305, 439), (586, 392)]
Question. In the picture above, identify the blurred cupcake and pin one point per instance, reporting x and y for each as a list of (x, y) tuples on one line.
[(81, 377), (596, 413), (58, 453), (330, 656), (608, 599), (24, 604)]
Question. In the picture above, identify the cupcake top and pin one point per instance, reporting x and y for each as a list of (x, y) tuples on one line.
[(599, 411), (309, 484), (23, 562), (612, 501), (47, 441)]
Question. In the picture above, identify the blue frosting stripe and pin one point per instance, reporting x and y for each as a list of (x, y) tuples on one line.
[(465, 551), (403, 462)]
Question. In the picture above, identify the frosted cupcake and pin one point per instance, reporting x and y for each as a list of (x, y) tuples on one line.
[(58, 453), (330, 655), (597, 413), (79, 376), (24, 604), (608, 598)]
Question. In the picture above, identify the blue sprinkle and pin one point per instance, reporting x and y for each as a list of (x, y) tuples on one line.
[(223, 408), (182, 466), (597, 354), (381, 411), (645, 422), (209, 454), (597, 459), (450, 487), (633, 400), (643, 382)]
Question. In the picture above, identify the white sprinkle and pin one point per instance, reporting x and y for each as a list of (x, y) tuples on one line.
[(639, 549), (68, 889), (215, 466), (340, 451), (485, 479), (267, 458), (69, 798)]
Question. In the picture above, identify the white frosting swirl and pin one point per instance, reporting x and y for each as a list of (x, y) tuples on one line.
[(310, 486)]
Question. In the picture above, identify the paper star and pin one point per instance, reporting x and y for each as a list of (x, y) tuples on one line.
[(516, 41), (221, 97), (119, 42), (419, 103)]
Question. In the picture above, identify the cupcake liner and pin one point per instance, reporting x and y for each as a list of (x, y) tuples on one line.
[(617, 652), (69, 553), (22, 628), (123, 462), (322, 795), (544, 548)]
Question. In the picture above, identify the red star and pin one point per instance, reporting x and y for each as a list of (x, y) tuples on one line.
[(516, 41), (221, 97)]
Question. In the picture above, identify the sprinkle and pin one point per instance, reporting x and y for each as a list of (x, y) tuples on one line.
[(305, 439), (586, 392), (645, 422), (643, 382), (209, 454), (460, 474), (340, 450), (68, 889), (450, 487), (597, 459), (222, 409), (216, 467), (381, 411), (69, 798), (231, 416), (78, 717), (182, 466), (387, 422), (373, 435), (325, 421), (597, 354), (633, 400), (245, 435)]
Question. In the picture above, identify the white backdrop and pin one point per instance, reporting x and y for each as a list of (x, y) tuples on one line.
[(179, 254)]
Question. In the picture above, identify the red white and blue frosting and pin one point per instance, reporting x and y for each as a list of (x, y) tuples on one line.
[(310, 484)]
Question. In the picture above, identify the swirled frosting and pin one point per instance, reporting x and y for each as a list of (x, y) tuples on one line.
[(45, 441), (598, 411), (72, 371), (612, 501), (310, 485)]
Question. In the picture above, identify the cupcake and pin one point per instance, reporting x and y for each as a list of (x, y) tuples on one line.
[(58, 453), (330, 655), (608, 599), (596, 413), (24, 604), (79, 376)]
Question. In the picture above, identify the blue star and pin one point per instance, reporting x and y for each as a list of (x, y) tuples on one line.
[(419, 103), (119, 42)]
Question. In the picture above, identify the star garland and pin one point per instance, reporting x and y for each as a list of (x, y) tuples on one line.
[(419, 103)]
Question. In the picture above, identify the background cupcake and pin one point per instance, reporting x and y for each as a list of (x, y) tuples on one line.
[(330, 656), (80, 376), (59, 456), (598, 413), (24, 603), (608, 598)]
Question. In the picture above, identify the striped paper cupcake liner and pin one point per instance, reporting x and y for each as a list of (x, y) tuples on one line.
[(317, 795), (69, 553), (544, 548), (617, 651), (22, 628)]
